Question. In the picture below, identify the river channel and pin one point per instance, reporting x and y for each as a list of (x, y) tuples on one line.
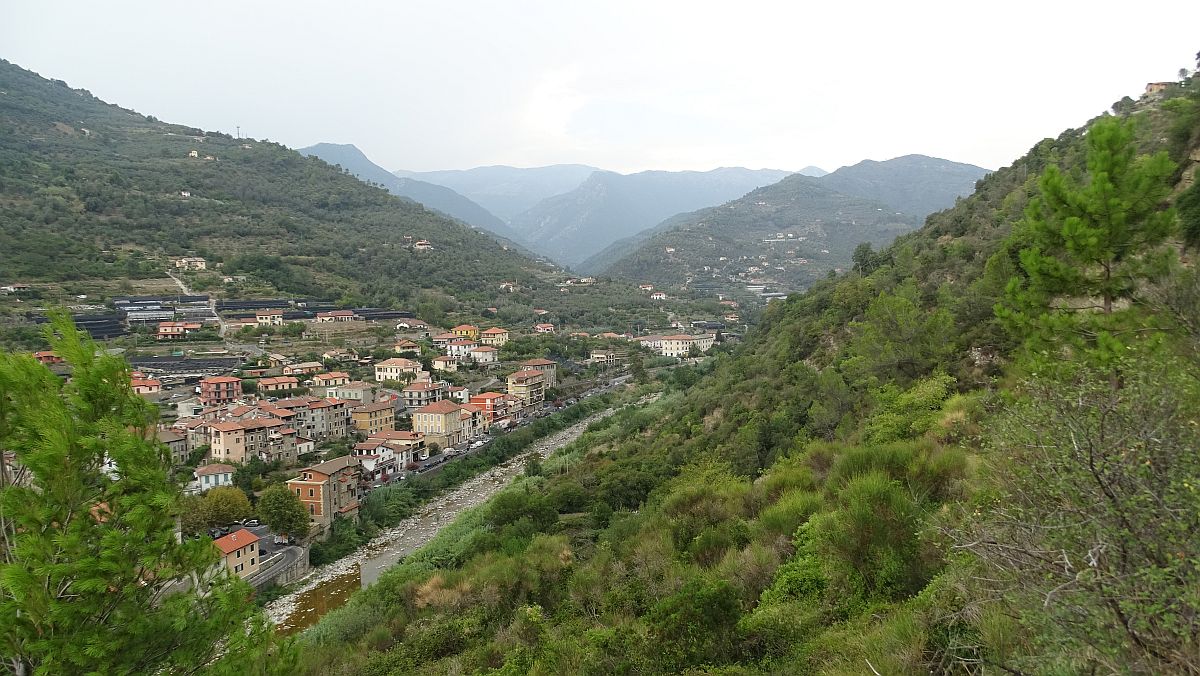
[(331, 586)]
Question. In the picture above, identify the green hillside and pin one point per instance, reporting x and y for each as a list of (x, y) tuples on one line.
[(608, 206), (862, 486), (789, 235), (786, 236), (89, 190), (436, 197)]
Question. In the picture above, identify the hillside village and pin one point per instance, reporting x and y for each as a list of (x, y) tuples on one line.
[(334, 402)]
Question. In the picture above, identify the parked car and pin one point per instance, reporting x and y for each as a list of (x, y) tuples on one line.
[(251, 522)]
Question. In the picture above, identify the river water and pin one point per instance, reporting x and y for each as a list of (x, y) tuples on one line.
[(332, 585)]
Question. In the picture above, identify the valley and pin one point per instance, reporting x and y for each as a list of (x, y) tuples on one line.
[(267, 410)]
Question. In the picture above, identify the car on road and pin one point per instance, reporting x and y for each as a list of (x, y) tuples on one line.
[(251, 523)]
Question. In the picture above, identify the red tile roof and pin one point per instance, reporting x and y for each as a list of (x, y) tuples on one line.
[(215, 468), (235, 541)]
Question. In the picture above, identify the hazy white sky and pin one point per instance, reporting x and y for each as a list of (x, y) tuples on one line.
[(621, 85)]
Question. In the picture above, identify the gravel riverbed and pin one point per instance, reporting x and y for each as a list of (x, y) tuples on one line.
[(400, 540)]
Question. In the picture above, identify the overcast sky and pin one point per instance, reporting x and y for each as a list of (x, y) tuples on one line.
[(621, 85)]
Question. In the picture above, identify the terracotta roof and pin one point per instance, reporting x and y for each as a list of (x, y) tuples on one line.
[(421, 387), (539, 362), (397, 435), (279, 380), (399, 361), (488, 395), (330, 467), (465, 327), (680, 336), (495, 330), (522, 376), (444, 336), (167, 436), (331, 375), (463, 341), (235, 541), (221, 379), (367, 408), (215, 468), (440, 407), (485, 348), (145, 382), (226, 426)]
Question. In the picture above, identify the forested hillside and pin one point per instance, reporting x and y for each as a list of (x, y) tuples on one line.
[(786, 235), (429, 195), (609, 206), (91, 189), (943, 461), (790, 234), (507, 191)]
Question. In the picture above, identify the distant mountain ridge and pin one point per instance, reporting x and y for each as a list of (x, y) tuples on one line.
[(430, 195), (507, 191), (818, 221), (916, 185), (785, 236), (571, 227)]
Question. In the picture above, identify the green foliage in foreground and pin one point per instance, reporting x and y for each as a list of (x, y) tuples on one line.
[(92, 578)]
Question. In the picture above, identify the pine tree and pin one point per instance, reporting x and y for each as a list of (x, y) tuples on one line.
[(93, 577), (1091, 244)]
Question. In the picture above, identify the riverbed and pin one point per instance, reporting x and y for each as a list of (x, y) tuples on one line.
[(330, 586)]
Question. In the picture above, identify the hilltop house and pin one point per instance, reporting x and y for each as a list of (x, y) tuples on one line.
[(543, 328), (331, 379), (485, 355), (269, 317), (466, 331), (176, 330), (303, 368), (447, 364), (146, 385), (278, 384), (494, 337), (396, 368), (460, 347)]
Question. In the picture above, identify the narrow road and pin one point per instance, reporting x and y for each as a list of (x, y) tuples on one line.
[(212, 302), (303, 607)]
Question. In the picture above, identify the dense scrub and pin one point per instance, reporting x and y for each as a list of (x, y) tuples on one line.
[(808, 504)]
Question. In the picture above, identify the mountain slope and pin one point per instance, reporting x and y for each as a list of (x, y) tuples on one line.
[(432, 196), (914, 184), (507, 191), (786, 236), (787, 508), (906, 189), (89, 189), (608, 206)]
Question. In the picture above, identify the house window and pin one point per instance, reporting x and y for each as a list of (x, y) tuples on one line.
[(239, 553), (310, 492), (312, 509), (252, 562)]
